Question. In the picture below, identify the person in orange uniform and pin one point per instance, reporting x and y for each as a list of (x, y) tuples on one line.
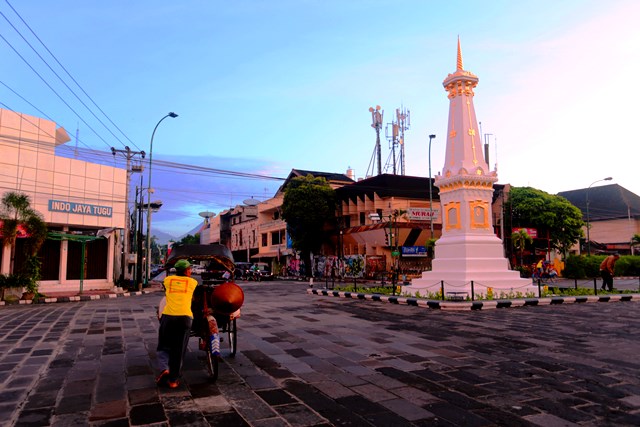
[(175, 324), (606, 271)]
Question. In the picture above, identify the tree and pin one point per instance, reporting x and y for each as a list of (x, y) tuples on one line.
[(635, 241), (16, 211), (555, 218), (309, 204), (520, 239), (190, 239)]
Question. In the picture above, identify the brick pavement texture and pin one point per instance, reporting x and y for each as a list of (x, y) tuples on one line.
[(309, 360)]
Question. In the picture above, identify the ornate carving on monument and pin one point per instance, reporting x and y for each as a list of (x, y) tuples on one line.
[(452, 215), (479, 214)]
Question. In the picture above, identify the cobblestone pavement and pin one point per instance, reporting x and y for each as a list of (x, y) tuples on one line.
[(307, 360)]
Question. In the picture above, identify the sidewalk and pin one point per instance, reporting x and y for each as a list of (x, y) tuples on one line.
[(89, 295)]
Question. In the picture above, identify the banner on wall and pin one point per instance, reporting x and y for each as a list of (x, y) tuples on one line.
[(423, 214), (413, 251)]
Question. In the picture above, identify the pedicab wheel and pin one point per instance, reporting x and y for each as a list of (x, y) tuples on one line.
[(233, 336), (211, 361)]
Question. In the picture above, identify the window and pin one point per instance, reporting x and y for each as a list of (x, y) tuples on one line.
[(265, 241), (277, 237), (362, 218)]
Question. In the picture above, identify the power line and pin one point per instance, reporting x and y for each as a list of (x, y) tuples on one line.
[(59, 78), (53, 90), (69, 74), (36, 125)]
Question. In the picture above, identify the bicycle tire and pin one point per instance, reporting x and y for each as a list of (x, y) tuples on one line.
[(233, 337)]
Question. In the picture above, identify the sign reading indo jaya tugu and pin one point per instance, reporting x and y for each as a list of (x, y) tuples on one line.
[(80, 208)]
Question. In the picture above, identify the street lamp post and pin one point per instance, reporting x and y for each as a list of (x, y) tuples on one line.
[(588, 224), (430, 190), (149, 191)]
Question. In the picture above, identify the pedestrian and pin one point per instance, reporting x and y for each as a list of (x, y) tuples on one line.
[(606, 271), (175, 324)]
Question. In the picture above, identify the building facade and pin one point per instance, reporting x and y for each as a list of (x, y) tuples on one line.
[(612, 214), (82, 203)]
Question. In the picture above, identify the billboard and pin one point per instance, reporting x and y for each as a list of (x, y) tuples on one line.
[(422, 214)]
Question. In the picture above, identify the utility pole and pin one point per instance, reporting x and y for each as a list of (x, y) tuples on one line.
[(128, 154)]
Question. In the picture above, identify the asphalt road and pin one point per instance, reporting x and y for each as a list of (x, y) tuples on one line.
[(306, 360)]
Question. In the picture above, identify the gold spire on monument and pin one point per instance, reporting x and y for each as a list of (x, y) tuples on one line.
[(460, 67), (464, 160)]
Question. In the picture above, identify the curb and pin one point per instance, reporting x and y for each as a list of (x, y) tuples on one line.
[(475, 305), (78, 298)]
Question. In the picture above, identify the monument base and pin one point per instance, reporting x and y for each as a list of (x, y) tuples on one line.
[(471, 264)]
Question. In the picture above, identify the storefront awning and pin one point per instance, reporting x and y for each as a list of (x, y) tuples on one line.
[(272, 254)]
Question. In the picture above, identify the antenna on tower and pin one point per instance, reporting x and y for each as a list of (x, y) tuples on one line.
[(376, 123), (395, 134), (404, 123)]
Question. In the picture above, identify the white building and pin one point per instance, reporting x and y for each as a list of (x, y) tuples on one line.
[(75, 197)]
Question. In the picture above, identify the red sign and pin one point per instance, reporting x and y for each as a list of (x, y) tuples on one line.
[(532, 232), (21, 232)]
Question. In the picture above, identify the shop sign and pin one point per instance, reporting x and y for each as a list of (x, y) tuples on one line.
[(21, 232), (532, 232), (422, 214), (79, 208), (414, 251)]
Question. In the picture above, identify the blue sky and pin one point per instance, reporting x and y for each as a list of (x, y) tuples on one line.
[(266, 86)]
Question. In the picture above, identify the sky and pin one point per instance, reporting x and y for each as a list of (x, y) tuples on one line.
[(265, 86)]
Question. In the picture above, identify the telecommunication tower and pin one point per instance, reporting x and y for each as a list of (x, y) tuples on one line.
[(376, 123), (395, 134)]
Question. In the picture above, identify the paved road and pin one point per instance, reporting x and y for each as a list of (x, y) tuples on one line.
[(308, 360)]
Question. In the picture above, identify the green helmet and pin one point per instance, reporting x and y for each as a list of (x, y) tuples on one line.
[(182, 265)]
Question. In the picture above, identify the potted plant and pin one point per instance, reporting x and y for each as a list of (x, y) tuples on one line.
[(15, 212), (14, 285)]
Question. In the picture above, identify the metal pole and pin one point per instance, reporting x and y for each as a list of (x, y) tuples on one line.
[(127, 232), (82, 261), (139, 263), (588, 222), (588, 225), (379, 150), (172, 115), (430, 190)]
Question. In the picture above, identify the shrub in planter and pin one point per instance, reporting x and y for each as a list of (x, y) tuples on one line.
[(13, 285)]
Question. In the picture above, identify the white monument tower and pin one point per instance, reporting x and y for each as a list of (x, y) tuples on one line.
[(468, 250)]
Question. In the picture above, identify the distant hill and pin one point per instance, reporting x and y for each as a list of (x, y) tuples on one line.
[(164, 238), (193, 231)]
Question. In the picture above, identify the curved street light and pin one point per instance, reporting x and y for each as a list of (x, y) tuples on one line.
[(173, 116), (588, 225)]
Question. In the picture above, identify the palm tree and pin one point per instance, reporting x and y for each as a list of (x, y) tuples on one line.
[(520, 239), (15, 211)]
